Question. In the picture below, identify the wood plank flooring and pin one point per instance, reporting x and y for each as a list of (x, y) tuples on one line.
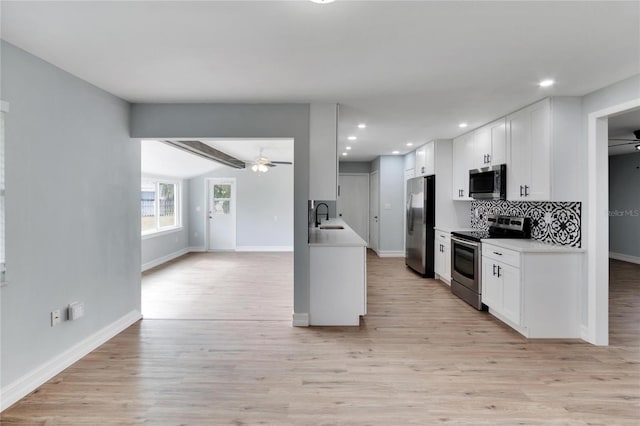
[(420, 357)]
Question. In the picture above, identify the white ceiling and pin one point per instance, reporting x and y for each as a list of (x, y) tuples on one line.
[(160, 159), (411, 70)]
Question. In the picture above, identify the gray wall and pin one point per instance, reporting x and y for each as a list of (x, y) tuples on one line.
[(73, 225), (624, 204), (264, 209), (244, 121), (156, 247), (391, 170), (354, 167)]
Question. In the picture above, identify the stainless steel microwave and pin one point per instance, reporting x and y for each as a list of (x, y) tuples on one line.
[(488, 183)]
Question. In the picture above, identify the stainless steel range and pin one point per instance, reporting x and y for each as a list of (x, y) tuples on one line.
[(466, 254)]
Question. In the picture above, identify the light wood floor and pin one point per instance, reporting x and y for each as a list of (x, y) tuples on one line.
[(420, 357)]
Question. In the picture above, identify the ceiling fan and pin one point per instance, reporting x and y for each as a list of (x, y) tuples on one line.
[(636, 141), (262, 163)]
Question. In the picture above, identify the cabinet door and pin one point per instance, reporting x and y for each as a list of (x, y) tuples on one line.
[(447, 260), (498, 143), (482, 148), (463, 151), (529, 144), (430, 158), (323, 152), (421, 161), (511, 293), (491, 285), (518, 142), (439, 260)]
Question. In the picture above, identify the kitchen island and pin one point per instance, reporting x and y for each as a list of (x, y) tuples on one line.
[(338, 274)]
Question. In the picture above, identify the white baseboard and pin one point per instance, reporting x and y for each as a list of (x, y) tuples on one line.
[(164, 259), (26, 384), (624, 257), (196, 249), (300, 319), (584, 333), (443, 279), (264, 248), (390, 253)]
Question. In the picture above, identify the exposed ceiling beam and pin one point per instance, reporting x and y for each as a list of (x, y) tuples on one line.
[(205, 151)]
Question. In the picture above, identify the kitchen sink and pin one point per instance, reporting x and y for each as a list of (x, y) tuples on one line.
[(331, 227)]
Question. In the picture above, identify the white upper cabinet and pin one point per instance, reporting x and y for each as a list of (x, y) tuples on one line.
[(323, 152), (529, 143), (425, 159), (490, 145), (463, 156)]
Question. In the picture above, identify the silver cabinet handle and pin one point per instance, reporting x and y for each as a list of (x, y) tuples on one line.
[(488, 158), (498, 271), (526, 190), (499, 254), (494, 270), (521, 189)]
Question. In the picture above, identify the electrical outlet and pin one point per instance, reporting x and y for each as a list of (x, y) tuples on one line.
[(55, 317), (75, 311)]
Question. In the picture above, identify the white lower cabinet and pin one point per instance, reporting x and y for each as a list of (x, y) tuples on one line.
[(442, 261), (536, 293)]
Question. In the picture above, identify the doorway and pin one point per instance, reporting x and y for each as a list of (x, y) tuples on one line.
[(353, 202), (374, 211), (597, 213), (221, 214)]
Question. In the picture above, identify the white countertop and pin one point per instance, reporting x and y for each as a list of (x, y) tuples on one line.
[(530, 246), (450, 229), (346, 237)]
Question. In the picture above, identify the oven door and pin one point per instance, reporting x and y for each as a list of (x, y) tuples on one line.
[(465, 263)]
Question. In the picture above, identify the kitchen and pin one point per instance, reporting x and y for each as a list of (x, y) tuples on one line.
[(491, 214)]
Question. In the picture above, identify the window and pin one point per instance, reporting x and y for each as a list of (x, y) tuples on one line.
[(159, 206)]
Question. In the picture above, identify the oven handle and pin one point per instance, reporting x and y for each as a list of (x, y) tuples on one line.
[(465, 243)]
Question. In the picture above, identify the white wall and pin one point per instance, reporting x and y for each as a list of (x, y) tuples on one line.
[(73, 225), (153, 121), (160, 248), (624, 204), (264, 209)]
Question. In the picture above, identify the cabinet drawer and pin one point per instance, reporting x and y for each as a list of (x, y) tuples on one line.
[(510, 257), (443, 237)]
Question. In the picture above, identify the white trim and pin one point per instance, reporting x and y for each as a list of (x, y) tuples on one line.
[(390, 253), (196, 249), (153, 234), (597, 223), (26, 384), (159, 261), (443, 279), (264, 248), (584, 332), (300, 320), (4, 106), (624, 257)]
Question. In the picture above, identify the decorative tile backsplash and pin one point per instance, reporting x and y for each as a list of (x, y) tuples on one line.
[(551, 222)]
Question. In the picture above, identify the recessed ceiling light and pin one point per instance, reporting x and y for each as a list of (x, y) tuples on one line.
[(348, 148), (546, 83), (362, 126), (323, 1), (462, 125), (344, 154), (396, 152), (409, 143), (352, 138)]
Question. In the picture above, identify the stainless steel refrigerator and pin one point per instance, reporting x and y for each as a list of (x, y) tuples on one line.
[(421, 219)]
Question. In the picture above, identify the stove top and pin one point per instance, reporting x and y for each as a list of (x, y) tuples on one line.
[(499, 227)]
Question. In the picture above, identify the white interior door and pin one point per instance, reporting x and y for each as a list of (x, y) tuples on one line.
[(374, 211), (221, 214), (353, 202)]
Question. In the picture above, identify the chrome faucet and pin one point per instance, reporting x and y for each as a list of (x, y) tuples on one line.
[(327, 214)]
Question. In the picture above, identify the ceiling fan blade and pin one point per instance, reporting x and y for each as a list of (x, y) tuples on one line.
[(623, 144), (282, 162), (629, 140)]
